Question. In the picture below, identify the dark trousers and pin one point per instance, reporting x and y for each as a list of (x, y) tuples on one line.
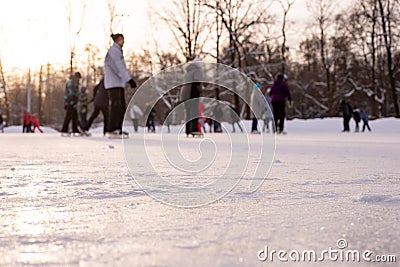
[(117, 109), (254, 125), (279, 108), (26, 128), (83, 120), (346, 123), (366, 125), (72, 114), (135, 123), (192, 111), (94, 115)]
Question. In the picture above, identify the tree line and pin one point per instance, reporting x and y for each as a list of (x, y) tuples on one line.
[(350, 54)]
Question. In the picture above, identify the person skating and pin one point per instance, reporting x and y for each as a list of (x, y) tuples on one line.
[(35, 124), (279, 93), (346, 111), (115, 78), (357, 118), (135, 113), (365, 119), (71, 98), (27, 123), (190, 93), (101, 100)]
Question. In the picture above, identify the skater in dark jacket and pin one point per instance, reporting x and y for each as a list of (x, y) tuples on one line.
[(71, 98), (279, 93), (365, 119), (346, 111), (101, 100), (190, 93), (357, 118)]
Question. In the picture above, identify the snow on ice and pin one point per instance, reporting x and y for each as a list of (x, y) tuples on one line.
[(71, 201)]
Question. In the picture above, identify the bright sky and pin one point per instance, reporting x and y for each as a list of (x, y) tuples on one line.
[(34, 32)]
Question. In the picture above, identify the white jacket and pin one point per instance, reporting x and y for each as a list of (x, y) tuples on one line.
[(115, 72)]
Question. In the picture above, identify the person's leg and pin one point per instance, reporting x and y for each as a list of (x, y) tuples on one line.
[(346, 121), (282, 116), (363, 128), (135, 124), (369, 128), (94, 115), (275, 107), (83, 120), (105, 119), (75, 121), (115, 109), (254, 124), (123, 108), (67, 119)]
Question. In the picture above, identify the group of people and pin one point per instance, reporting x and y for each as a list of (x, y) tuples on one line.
[(348, 112), (30, 123), (108, 95), (276, 98)]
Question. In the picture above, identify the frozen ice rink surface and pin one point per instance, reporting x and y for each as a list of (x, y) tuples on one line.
[(70, 201)]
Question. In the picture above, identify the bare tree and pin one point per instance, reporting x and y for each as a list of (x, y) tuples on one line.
[(286, 6), (4, 87), (186, 21), (322, 11), (73, 30), (386, 13)]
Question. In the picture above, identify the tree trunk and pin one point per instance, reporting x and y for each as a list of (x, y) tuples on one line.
[(388, 38)]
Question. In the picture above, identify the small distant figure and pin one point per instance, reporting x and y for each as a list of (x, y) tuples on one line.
[(218, 116), (210, 123), (256, 104), (1, 123), (71, 98), (168, 119), (135, 113), (357, 118), (27, 123), (235, 120), (201, 121), (100, 98), (346, 111), (35, 124), (190, 92), (365, 119), (150, 122), (83, 107), (268, 114), (279, 93)]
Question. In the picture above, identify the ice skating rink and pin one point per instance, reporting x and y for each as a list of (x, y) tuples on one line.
[(71, 201)]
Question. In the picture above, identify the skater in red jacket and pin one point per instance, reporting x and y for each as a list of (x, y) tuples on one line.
[(35, 124)]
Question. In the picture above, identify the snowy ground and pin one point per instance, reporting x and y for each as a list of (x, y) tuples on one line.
[(71, 201)]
